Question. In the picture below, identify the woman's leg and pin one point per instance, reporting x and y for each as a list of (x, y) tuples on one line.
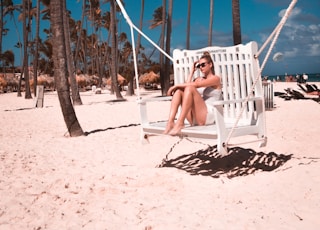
[(191, 102), (175, 103)]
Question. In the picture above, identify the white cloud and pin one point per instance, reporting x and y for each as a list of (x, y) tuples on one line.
[(314, 28), (295, 12), (314, 49), (291, 53), (299, 37)]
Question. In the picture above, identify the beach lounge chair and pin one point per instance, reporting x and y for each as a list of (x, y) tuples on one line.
[(304, 89), (315, 87), (310, 89), (242, 110)]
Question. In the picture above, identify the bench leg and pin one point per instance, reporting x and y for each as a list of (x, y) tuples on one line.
[(144, 138), (263, 142), (222, 148)]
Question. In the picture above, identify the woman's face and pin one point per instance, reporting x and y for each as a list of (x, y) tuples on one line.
[(204, 65)]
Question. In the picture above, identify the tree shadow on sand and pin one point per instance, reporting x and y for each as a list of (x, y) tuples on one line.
[(239, 162)]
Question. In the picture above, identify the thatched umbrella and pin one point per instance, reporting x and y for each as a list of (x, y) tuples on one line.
[(82, 80), (121, 80), (150, 77), (3, 82)]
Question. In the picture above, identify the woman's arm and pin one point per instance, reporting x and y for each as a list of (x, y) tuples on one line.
[(172, 89), (189, 81), (213, 81), (192, 70)]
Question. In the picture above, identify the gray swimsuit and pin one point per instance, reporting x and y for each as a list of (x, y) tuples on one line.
[(209, 96)]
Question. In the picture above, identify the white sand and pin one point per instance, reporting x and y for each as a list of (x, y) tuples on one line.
[(108, 180)]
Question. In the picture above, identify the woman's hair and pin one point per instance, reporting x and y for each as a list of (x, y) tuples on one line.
[(206, 55)]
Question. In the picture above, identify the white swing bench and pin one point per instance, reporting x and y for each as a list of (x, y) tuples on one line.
[(242, 110), (238, 68)]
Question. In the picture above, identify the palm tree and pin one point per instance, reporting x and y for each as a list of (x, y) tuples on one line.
[(36, 54), (7, 59), (46, 62), (5, 8), (25, 14), (236, 22), (10, 8), (75, 95), (114, 53), (60, 70), (159, 16), (168, 42), (210, 24), (94, 15), (131, 83), (78, 44), (188, 25)]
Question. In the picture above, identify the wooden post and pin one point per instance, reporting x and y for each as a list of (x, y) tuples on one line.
[(268, 95), (40, 96)]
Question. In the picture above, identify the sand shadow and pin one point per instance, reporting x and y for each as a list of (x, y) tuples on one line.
[(28, 108), (239, 162), (107, 102), (109, 128)]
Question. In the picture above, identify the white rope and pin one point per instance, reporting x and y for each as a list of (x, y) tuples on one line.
[(132, 26), (125, 15), (276, 34)]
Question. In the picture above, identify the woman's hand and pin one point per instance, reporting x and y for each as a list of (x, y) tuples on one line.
[(171, 90), (194, 66)]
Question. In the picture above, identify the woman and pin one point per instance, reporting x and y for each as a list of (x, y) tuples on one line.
[(196, 108)]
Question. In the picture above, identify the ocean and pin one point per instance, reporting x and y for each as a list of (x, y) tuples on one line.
[(312, 77)]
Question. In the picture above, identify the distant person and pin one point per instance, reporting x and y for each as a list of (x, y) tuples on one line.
[(305, 78), (195, 107)]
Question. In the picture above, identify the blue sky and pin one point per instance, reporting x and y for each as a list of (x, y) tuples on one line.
[(299, 40)]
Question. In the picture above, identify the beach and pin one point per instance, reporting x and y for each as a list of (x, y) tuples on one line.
[(108, 179)]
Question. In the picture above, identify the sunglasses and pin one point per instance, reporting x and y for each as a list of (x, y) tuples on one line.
[(201, 65)]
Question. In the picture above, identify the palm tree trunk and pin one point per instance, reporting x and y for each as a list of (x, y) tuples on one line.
[(168, 44), (18, 45), (75, 95), (161, 61), (60, 70), (25, 49), (114, 67), (131, 83), (188, 25), (210, 24), (76, 56), (36, 55), (85, 52), (236, 22)]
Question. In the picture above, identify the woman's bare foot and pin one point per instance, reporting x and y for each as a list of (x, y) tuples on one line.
[(169, 126), (176, 131)]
